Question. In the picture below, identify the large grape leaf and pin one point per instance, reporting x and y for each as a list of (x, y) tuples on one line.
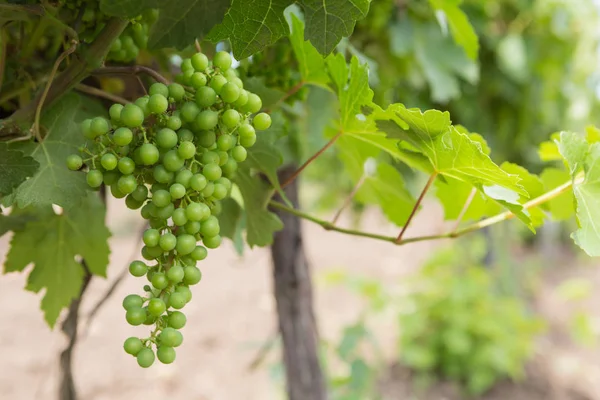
[(251, 25), (328, 21), (52, 243), (261, 224), (574, 149), (562, 207), (311, 64), (180, 22), (15, 168), (587, 195), (460, 27), (232, 221), (127, 8)]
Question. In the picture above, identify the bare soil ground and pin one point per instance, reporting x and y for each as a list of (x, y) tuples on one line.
[(232, 314)]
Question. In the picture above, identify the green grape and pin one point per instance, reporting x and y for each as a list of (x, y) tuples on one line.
[(126, 166), (122, 136), (207, 138), (149, 154), (222, 60), (261, 121), (210, 227), (154, 251), (140, 193), (158, 104), (167, 242), (127, 184), (109, 161), (230, 92), (231, 118), (248, 141), (239, 153), (138, 268), (175, 274), (199, 253), (197, 211), (145, 358), (156, 307), (177, 320), (254, 103), (132, 301), (246, 130), (86, 128), (177, 191), (189, 111), (197, 80), (160, 88), (242, 99), (172, 161), (74, 162), (176, 92), (211, 171), (216, 208), (135, 316), (165, 212), (142, 103), (225, 142), (99, 126), (207, 119), (210, 157), (186, 150), (94, 178), (166, 138), (187, 65), (208, 190), (160, 281), (133, 346), (212, 242), (223, 157), (111, 177), (198, 182), (161, 198), (132, 203), (192, 275), (169, 337), (165, 354), (192, 227), (217, 82), (179, 217), (183, 177), (185, 291), (220, 191), (238, 82), (177, 300), (174, 122), (185, 244), (161, 175), (151, 237), (132, 115), (199, 62), (185, 135), (116, 192), (115, 112)]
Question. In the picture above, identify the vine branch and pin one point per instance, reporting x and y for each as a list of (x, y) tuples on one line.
[(310, 160), (100, 93), (293, 90), (131, 70), (453, 234), (416, 206)]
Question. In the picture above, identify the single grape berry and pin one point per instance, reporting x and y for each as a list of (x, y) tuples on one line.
[(212, 171), (94, 178), (135, 316), (197, 80), (177, 320), (115, 112), (261, 121), (145, 358), (122, 136), (177, 300), (149, 154), (138, 268), (239, 153), (175, 273), (151, 237), (231, 118), (156, 307), (207, 119), (99, 126), (254, 103), (185, 291), (185, 135), (166, 138), (189, 111), (222, 60), (74, 162), (212, 242), (165, 354), (132, 301), (172, 161), (160, 281), (186, 150), (158, 104), (176, 91), (132, 115), (127, 184), (230, 92), (199, 253), (133, 346), (192, 275), (177, 191), (167, 242), (199, 62), (159, 88), (179, 217)]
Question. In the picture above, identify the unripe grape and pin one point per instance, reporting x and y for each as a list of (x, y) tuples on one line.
[(161, 198), (145, 358), (189, 111), (166, 138), (74, 162), (156, 307), (183, 177), (94, 178), (185, 244), (159, 88), (220, 192), (176, 91), (177, 320), (122, 136), (198, 80), (187, 65), (132, 301), (231, 118), (185, 135), (138, 268), (207, 119), (230, 92), (177, 191), (192, 275), (133, 346), (206, 138), (198, 182), (111, 177), (239, 153), (225, 142), (186, 150), (210, 157), (199, 62), (185, 291), (132, 115), (197, 211), (175, 273), (115, 112), (142, 103), (99, 126), (254, 103), (210, 227), (261, 121), (140, 193), (174, 122), (132, 203), (211, 171), (172, 161), (199, 253), (212, 242), (167, 242), (169, 337), (165, 354), (177, 300), (127, 184), (222, 60), (242, 99), (160, 281), (135, 316), (166, 212), (149, 154), (126, 166), (192, 227), (151, 237), (208, 190), (158, 104), (179, 217)]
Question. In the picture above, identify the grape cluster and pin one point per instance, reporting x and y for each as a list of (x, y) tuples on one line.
[(172, 154), (133, 39)]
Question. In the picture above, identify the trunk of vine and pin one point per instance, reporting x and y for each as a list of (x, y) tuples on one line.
[(294, 297)]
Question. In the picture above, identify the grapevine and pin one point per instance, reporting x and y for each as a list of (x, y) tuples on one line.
[(173, 155)]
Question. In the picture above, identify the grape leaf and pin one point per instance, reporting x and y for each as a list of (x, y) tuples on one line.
[(127, 8), (180, 22), (460, 27), (587, 194), (53, 183), (261, 223), (15, 168), (57, 240), (251, 25), (327, 21), (232, 222), (14, 222), (561, 207), (573, 148), (548, 151), (311, 64)]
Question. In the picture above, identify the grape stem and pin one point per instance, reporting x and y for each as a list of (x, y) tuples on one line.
[(100, 93), (507, 215), (293, 90), (131, 70), (349, 198), (416, 206), (463, 211), (311, 159)]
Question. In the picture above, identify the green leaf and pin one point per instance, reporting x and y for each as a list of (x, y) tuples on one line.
[(562, 206), (574, 149), (14, 222), (587, 194), (57, 240), (265, 158), (261, 223), (251, 25), (231, 221), (180, 22), (15, 168), (127, 8), (327, 21), (462, 30), (54, 183), (311, 64)]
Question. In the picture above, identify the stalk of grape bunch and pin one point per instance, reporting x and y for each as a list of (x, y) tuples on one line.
[(172, 154)]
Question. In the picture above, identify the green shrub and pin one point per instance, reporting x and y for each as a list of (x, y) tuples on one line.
[(458, 328)]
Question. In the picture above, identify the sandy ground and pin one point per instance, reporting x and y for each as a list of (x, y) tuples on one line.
[(231, 315)]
